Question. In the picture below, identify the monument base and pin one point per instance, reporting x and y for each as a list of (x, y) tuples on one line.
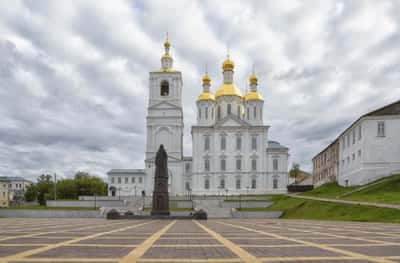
[(159, 213)]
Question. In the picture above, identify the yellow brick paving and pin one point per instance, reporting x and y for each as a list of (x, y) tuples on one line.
[(282, 240)]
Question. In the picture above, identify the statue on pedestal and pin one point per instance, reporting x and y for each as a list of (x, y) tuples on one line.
[(160, 192)]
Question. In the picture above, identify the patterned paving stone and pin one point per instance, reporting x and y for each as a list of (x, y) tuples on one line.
[(10, 250), (84, 252), (179, 252), (375, 250), (289, 252)]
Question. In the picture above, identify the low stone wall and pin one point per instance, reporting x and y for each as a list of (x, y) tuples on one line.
[(78, 203), (246, 204), (265, 215), (26, 213), (184, 204)]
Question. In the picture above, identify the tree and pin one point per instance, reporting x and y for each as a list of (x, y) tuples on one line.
[(44, 188), (295, 172), (67, 189), (31, 193), (89, 185)]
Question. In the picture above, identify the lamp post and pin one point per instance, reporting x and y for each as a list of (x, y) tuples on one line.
[(95, 204)]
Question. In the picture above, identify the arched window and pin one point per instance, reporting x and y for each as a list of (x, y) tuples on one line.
[(275, 164), (253, 183), (255, 112), (199, 113), (164, 90), (219, 112), (237, 183), (248, 113), (207, 143), (206, 113), (206, 184), (207, 165), (212, 113), (229, 109), (222, 183), (238, 111)]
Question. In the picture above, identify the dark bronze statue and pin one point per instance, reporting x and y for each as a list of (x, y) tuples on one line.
[(160, 192)]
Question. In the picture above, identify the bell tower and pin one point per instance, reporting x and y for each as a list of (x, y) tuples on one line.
[(165, 118)]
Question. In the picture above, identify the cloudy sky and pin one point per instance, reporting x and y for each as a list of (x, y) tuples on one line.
[(74, 74)]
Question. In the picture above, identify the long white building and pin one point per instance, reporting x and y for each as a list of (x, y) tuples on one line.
[(232, 153), (370, 148)]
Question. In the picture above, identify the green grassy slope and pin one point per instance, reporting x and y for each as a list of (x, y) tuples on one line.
[(294, 208), (329, 190), (386, 191)]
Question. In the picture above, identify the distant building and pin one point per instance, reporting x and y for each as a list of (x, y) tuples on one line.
[(367, 150), (304, 178), (16, 187), (126, 182), (325, 165), (4, 194), (370, 147)]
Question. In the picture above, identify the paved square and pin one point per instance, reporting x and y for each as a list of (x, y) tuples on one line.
[(234, 240)]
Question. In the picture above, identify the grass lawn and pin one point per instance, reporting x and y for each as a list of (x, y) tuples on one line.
[(41, 207), (294, 208), (329, 190), (387, 191)]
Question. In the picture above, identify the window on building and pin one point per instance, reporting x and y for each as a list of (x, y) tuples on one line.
[(222, 183), (238, 184), (207, 143), (206, 184), (223, 164), (248, 113), (140, 180), (187, 186), (275, 164), (119, 180), (206, 113), (199, 113), (359, 132), (348, 140), (253, 183), (354, 136), (353, 156), (212, 113), (238, 164), (381, 129), (219, 112), (132, 180), (164, 90), (254, 143), (229, 108), (348, 159), (126, 180), (207, 165), (253, 164), (238, 142), (112, 180), (223, 143), (275, 183), (359, 153), (254, 112), (187, 167), (238, 111), (343, 144), (342, 162)]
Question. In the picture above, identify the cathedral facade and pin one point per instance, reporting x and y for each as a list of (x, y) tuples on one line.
[(232, 153)]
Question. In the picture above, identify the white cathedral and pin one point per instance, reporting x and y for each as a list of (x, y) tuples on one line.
[(231, 151)]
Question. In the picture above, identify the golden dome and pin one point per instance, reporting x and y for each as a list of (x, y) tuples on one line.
[(228, 65), (166, 55), (228, 89), (167, 44), (253, 79), (206, 79), (206, 96), (253, 95)]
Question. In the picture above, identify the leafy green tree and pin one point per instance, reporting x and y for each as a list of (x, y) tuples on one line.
[(45, 188), (67, 189), (295, 172), (90, 185), (31, 193)]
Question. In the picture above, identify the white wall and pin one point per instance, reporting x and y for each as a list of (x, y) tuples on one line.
[(380, 156)]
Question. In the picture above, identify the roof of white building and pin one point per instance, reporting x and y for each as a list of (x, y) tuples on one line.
[(276, 145), (13, 179)]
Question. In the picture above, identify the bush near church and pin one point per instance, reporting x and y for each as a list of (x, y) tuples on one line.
[(68, 189)]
